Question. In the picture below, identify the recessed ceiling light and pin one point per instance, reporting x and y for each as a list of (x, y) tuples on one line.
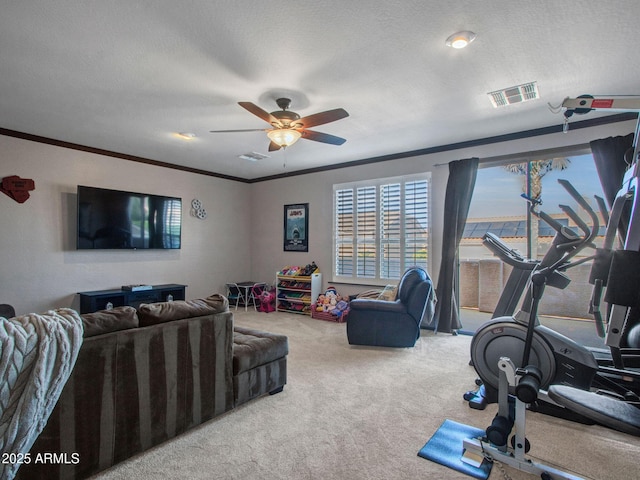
[(460, 39), (186, 135)]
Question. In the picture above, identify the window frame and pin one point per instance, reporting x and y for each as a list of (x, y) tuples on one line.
[(378, 241)]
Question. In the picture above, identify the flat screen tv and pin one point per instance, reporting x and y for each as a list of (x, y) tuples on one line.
[(113, 219)]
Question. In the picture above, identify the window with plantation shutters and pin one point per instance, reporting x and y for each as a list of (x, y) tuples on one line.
[(381, 228)]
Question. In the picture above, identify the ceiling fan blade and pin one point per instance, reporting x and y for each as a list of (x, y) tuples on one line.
[(235, 131), (323, 117), (322, 137), (273, 146), (258, 112)]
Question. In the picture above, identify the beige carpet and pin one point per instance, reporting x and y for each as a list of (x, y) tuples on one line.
[(363, 413)]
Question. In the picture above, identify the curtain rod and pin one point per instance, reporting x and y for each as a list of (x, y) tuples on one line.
[(579, 149)]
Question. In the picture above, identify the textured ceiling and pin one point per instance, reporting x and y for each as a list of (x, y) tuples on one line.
[(126, 76)]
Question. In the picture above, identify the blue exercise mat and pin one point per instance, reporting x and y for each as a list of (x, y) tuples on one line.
[(445, 447)]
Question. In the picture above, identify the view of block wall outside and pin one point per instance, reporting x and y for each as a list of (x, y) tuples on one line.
[(482, 281)]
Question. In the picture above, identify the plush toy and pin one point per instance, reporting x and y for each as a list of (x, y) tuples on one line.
[(326, 303), (330, 299), (341, 307), (332, 304), (320, 303)]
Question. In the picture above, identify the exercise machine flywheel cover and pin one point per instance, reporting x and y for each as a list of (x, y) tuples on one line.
[(506, 338)]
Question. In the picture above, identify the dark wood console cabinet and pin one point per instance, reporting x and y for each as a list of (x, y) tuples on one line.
[(98, 299)]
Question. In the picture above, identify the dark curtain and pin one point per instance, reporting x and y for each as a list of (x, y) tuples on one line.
[(462, 179), (609, 156)]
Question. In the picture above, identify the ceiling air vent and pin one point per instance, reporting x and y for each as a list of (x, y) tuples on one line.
[(517, 94), (253, 156)]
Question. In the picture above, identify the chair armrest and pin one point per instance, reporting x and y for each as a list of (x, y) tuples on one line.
[(390, 306)]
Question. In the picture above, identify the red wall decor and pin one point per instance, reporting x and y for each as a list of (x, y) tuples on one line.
[(17, 188)]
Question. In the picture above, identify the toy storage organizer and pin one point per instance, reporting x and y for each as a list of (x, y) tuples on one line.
[(328, 316), (296, 293)]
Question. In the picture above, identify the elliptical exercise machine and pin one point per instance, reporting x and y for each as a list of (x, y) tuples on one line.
[(533, 348), (518, 387), (559, 359)]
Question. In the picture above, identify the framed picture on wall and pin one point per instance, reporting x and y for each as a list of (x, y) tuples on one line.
[(296, 227)]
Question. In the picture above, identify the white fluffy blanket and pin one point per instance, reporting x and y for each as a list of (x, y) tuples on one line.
[(38, 352)]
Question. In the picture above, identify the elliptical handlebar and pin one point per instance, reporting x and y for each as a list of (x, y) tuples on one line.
[(534, 203), (570, 212), (567, 242), (587, 208)]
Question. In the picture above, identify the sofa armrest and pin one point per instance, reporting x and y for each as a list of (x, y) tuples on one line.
[(387, 306)]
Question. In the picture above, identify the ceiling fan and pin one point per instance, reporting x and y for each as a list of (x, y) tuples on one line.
[(288, 126)]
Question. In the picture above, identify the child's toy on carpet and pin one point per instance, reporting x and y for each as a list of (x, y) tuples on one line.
[(267, 301), (331, 306)]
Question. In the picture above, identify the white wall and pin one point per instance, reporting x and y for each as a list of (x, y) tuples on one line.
[(269, 197), (39, 265), (241, 238)]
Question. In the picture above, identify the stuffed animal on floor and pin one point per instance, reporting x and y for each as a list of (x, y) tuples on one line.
[(341, 307)]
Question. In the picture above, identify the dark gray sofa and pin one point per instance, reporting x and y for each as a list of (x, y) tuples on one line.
[(143, 377)]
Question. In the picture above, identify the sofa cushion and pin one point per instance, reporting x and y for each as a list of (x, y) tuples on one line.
[(252, 348), (105, 321), (152, 313), (390, 293)]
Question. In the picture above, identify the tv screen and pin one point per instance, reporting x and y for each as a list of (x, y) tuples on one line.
[(113, 219)]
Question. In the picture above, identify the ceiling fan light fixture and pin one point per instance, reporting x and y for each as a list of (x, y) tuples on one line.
[(460, 39), (284, 137)]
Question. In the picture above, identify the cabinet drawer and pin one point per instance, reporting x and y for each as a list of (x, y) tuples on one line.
[(144, 296)]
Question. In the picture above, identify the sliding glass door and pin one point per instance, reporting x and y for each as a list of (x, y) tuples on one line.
[(498, 208)]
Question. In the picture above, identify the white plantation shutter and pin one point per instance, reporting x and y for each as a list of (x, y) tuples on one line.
[(390, 230), (416, 223), (381, 228), (366, 232), (344, 230)]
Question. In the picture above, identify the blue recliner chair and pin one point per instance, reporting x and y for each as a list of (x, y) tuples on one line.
[(394, 323)]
